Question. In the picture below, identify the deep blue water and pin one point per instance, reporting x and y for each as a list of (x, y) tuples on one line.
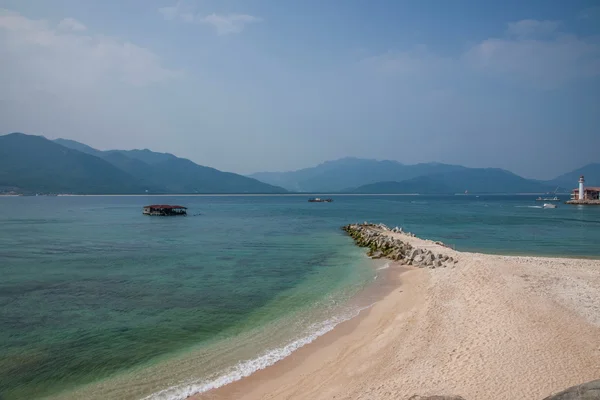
[(91, 289)]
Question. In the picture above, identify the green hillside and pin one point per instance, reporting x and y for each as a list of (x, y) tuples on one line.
[(34, 164)]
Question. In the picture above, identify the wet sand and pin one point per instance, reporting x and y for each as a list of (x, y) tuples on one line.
[(491, 327)]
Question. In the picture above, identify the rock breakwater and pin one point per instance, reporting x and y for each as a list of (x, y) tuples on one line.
[(385, 242)]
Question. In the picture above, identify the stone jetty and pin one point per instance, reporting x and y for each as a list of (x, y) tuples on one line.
[(383, 245), (584, 202)]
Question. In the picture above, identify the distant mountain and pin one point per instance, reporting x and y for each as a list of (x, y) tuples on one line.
[(340, 175), (474, 180), (146, 156), (167, 173), (33, 164), (591, 172), (84, 148)]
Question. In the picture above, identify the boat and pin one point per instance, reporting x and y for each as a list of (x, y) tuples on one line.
[(319, 200), (164, 210), (549, 205), (555, 198)]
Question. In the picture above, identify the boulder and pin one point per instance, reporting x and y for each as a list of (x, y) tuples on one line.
[(377, 254), (585, 391)]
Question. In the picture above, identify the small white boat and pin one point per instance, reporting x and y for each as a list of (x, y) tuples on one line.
[(549, 205)]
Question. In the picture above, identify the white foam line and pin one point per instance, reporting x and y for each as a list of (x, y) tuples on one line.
[(386, 266), (246, 368)]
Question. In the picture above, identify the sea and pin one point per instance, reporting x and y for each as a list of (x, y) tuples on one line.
[(98, 301)]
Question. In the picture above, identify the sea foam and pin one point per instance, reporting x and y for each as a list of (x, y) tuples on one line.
[(385, 266), (245, 368)]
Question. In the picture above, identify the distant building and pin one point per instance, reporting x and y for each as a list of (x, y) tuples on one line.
[(585, 193)]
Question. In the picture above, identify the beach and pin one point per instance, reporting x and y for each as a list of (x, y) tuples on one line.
[(486, 327)]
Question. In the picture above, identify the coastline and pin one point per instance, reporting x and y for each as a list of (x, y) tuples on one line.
[(489, 326)]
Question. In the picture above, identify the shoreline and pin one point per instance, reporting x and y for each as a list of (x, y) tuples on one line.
[(269, 194), (396, 275), (478, 323)]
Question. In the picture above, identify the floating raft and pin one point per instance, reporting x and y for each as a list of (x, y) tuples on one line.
[(164, 210)]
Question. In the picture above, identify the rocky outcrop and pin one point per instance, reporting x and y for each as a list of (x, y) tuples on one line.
[(382, 245), (585, 391)]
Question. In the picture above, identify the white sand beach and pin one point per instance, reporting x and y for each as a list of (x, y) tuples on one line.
[(489, 327)]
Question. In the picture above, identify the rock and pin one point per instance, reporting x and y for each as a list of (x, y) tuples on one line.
[(437, 263), (429, 258), (415, 253), (585, 391), (377, 254)]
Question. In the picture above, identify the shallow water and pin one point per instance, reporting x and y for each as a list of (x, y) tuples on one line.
[(93, 293)]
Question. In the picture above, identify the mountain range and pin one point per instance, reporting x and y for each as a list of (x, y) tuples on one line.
[(354, 175), (34, 164)]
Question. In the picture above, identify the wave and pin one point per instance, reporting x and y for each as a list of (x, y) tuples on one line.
[(385, 266), (529, 207), (245, 368)]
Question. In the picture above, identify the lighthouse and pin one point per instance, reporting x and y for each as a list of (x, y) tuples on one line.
[(581, 182)]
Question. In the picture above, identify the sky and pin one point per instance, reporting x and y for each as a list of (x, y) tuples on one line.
[(265, 85)]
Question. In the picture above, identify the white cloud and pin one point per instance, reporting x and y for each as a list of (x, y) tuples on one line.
[(71, 24), (176, 12), (169, 13), (232, 23), (223, 24), (532, 27), (61, 54), (549, 62), (407, 63)]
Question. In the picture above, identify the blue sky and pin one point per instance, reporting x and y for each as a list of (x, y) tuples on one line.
[(255, 85)]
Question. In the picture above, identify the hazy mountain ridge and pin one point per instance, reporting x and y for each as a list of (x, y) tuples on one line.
[(353, 175), (347, 173), (473, 180), (34, 164), (591, 172)]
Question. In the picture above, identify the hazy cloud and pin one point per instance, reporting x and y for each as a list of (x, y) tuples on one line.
[(71, 24), (534, 52), (176, 12), (532, 27), (417, 61), (61, 54), (223, 24), (548, 62), (232, 23)]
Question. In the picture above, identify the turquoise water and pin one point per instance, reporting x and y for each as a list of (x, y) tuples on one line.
[(98, 300)]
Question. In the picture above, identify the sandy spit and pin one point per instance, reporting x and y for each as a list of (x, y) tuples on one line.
[(491, 327)]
